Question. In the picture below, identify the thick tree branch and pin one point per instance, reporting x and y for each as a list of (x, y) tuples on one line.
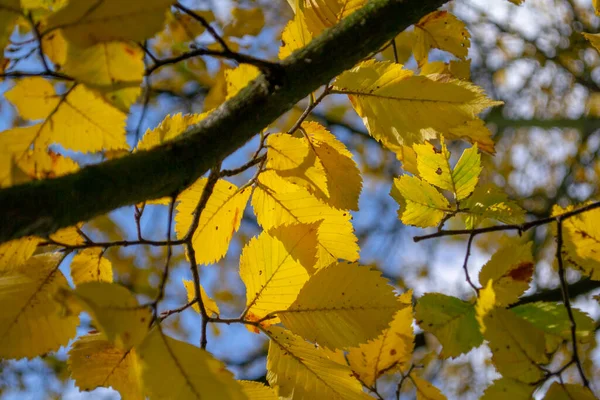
[(42, 207)]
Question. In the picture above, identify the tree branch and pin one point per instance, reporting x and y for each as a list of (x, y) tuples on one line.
[(42, 207)]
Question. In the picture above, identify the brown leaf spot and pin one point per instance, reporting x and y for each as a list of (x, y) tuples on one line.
[(438, 171), (392, 352), (523, 272)]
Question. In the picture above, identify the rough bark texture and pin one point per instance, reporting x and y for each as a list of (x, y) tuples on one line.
[(42, 207)]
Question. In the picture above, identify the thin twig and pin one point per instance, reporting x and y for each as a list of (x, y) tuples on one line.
[(165, 274), (465, 264), (206, 26), (312, 105), (264, 65), (566, 300), (248, 165), (514, 227)]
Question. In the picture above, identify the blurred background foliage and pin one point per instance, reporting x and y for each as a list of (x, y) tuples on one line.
[(547, 134)]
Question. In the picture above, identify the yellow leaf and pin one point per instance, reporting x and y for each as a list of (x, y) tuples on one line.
[(434, 167), (87, 22), (302, 371), (424, 205), (510, 269), (209, 304), (459, 69), (33, 97), (568, 391), (116, 312), (390, 351), (344, 182), (90, 265), (340, 306), (300, 241), (69, 236), (258, 391), (115, 69), (272, 277), (295, 36), (55, 47), (489, 202), (169, 128), (79, 120), (219, 220), (440, 30), (517, 351), (15, 253), (322, 14), (96, 362), (474, 131), (404, 43), (191, 373), (293, 159), (40, 164), (238, 78), (14, 143), (30, 322), (278, 202), (451, 320), (486, 302), (425, 390), (506, 388), (581, 240), (246, 21), (430, 104), (594, 39)]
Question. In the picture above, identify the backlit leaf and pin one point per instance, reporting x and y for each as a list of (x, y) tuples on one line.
[(303, 371), (219, 220), (340, 306), (272, 277), (258, 391), (488, 202), (390, 351), (295, 36), (517, 351), (451, 320), (440, 30), (87, 22), (344, 182), (15, 253), (191, 372), (581, 240), (552, 318), (90, 265), (425, 390), (115, 69), (115, 311), (31, 323), (209, 304), (420, 203), (278, 202), (434, 167), (96, 362), (33, 97), (238, 78), (430, 104), (169, 128), (510, 268)]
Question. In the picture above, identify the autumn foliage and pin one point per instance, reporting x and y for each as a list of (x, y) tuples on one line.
[(335, 327)]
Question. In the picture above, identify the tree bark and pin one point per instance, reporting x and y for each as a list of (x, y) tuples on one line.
[(42, 207)]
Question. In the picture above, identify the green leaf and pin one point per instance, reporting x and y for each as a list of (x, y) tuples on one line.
[(424, 205), (451, 320)]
